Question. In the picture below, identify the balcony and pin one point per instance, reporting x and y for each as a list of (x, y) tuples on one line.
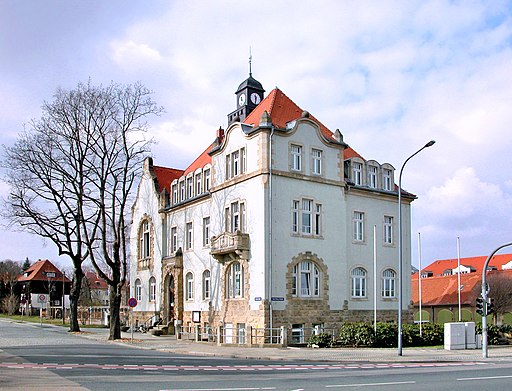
[(233, 245)]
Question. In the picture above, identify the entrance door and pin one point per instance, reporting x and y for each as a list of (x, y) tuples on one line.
[(172, 314)]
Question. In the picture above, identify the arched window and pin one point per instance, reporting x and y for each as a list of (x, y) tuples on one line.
[(388, 283), (138, 290), (189, 286), (235, 281), (358, 282), (152, 289), (144, 244), (206, 285), (306, 279)]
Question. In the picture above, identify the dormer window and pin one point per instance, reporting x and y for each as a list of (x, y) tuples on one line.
[(206, 180), (175, 193), (372, 177), (357, 173), (190, 187), (387, 179), (182, 191), (198, 184)]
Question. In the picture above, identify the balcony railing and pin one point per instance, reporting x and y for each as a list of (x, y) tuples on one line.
[(232, 244)]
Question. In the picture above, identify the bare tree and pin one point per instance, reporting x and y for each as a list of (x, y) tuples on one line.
[(9, 273), (500, 284), (71, 175)]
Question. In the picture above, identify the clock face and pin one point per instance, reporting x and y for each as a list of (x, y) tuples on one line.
[(241, 100), (255, 98)]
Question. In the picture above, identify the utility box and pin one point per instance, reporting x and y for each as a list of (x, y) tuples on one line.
[(470, 335), (454, 336)]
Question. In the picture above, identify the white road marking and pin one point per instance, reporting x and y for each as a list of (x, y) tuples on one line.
[(485, 377), (370, 384)]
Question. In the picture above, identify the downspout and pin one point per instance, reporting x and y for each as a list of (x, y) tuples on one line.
[(270, 232)]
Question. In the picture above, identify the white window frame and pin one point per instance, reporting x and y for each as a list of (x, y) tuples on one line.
[(182, 190), (359, 283), (235, 281), (296, 157), (144, 240), (357, 172), (306, 279), (306, 217), (306, 226), (190, 187), (207, 284), (189, 236), (388, 230), (175, 193), (388, 284), (207, 180), (372, 176), (206, 231), (138, 290), (295, 216), (358, 226), (189, 286), (174, 239), (235, 217), (198, 181), (386, 179), (152, 289), (316, 161)]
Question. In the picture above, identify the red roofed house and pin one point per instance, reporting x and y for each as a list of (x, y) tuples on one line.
[(439, 288), (272, 225), (44, 286)]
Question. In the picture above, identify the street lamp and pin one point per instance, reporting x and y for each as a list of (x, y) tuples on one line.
[(400, 271)]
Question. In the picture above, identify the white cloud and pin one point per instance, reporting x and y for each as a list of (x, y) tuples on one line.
[(130, 54)]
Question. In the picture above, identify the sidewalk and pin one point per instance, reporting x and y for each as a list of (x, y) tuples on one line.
[(390, 355)]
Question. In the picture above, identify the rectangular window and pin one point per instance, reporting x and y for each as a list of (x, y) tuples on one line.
[(358, 221), (206, 231), (386, 178), (242, 218), (174, 239), (240, 333), (206, 285), (372, 176), (318, 220), (235, 163), (235, 217), (190, 187), (165, 237), (295, 216), (306, 216), (198, 184), (228, 167), (357, 172), (388, 229), (188, 237), (316, 168), (296, 157), (243, 162), (182, 191), (206, 180), (175, 193), (152, 289)]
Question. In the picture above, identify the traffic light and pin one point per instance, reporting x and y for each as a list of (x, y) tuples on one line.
[(480, 306), (490, 306)]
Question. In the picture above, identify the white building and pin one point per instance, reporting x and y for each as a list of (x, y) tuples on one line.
[(272, 225)]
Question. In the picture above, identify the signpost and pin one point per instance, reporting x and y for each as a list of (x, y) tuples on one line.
[(132, 303)]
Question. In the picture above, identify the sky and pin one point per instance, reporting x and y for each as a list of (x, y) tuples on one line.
[(391, 75)]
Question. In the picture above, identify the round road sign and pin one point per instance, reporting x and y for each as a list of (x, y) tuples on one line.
[(132, 302)]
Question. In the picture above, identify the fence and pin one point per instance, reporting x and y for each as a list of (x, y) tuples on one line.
[(251, 336)]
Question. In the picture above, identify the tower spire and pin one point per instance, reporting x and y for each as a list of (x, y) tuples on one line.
[(250, 62)]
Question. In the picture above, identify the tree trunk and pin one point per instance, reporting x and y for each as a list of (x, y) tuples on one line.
[(74, 296), (115, 309)]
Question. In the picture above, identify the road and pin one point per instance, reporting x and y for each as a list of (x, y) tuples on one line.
[(49, 358)]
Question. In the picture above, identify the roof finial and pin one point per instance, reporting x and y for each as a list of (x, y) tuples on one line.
[(250, 62)]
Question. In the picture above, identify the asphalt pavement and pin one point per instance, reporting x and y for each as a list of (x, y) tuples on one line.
[(409, 355)]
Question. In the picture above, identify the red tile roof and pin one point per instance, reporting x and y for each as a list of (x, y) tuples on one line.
[(283, 110), (95, 282), (37, 272), (165, 176), (201, 161), (438, 267)]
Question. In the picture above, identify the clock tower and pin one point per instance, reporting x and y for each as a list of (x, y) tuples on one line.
[(248, 95)]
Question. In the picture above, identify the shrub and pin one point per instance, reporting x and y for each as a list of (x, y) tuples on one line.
[(386, 335), (322, 340), (356, 334)]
